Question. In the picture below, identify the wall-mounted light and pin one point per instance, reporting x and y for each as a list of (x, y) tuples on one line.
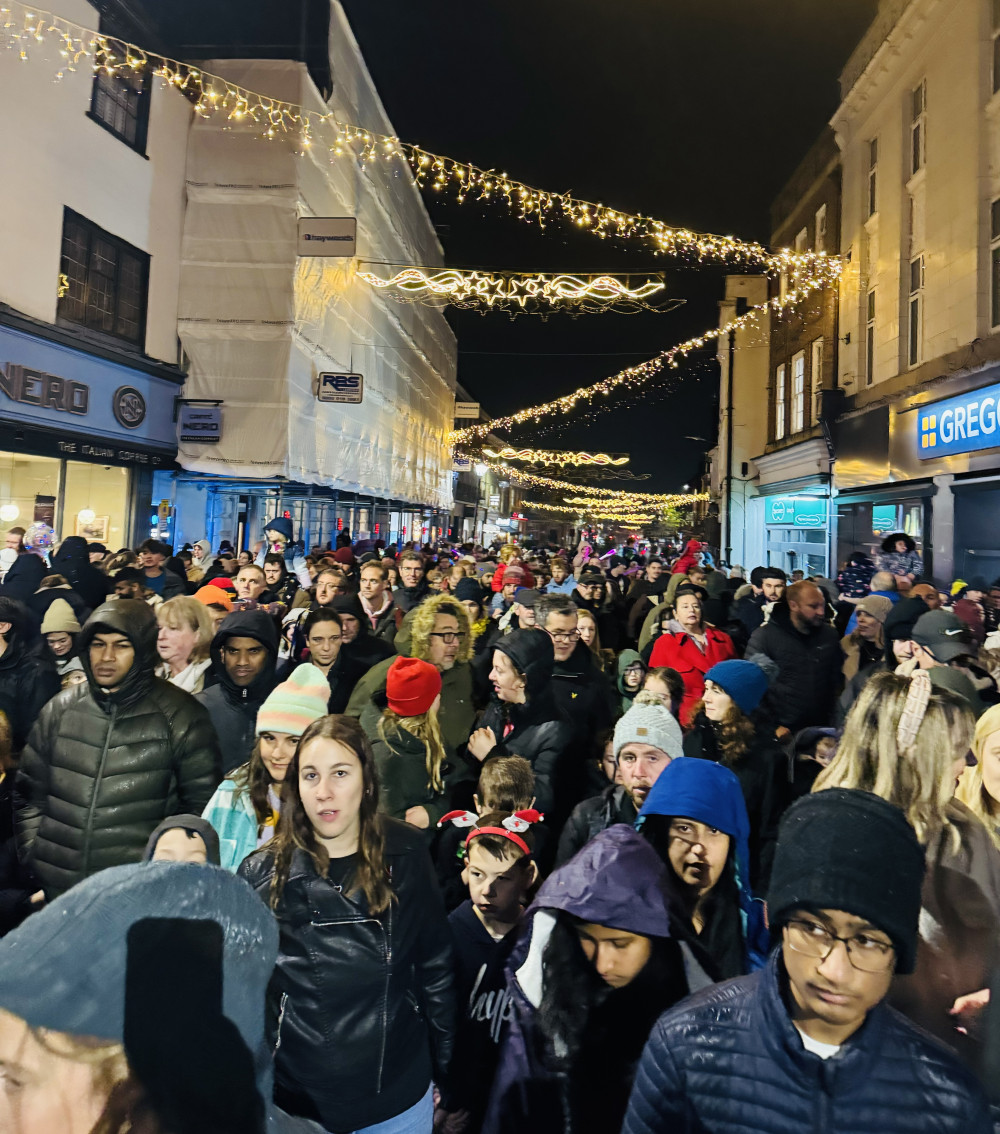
[(9, 513), (86, 515)]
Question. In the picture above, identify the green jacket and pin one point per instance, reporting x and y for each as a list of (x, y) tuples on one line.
[(402, 775)]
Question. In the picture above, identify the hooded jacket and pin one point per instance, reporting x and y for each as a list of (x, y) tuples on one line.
[(617, 880), (24, 577), (906, 562), (364, 1011), (72, 561), (711, 794), (194, 1042), (102, 769), (809, 665), (28, 680), (366, 650), (233, 708), (195, 823), (295, 561), (730, 1060), (625, 659), (688, 559), (582, 694), (536, 730), (855, 579)]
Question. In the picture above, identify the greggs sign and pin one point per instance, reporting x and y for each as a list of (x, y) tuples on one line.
[(964, 424)]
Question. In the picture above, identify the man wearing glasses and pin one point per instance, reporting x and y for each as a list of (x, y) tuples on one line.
[(807, 1043)]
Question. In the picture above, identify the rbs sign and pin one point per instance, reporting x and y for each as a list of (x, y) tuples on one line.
[(343, 388), (964, 424)]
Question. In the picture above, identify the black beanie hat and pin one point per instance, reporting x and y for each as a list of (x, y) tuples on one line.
[(850, 850)]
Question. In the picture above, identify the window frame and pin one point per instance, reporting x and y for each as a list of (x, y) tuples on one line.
[(870, 313), (802, 239), (144, 98), (995, 263), (798, 393), (918, 127), (816, 351), (996, 46), (872, 208), (780, 377), (915, 312), (122, 249), (819, 244)]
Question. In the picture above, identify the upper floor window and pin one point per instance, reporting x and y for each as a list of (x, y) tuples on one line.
[(918, 127), (916, 312), (820, 242), (799, 392), (996, 46), (779, 402), (107, 281), (870, 339), (120, 103), (873, 177), (995, 264), (802, 240), (817, 379)]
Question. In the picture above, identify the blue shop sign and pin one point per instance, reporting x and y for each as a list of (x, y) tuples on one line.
[(796, 511), (964, 424), (46, 384)]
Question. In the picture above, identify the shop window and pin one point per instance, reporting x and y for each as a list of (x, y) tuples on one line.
[(103, 492), (799, 392), (870, 339), (779, 403), (915, 312), (108, 281), (995, 264), (816, 352), (872, 177), (820, 243), (918, 127), (120, 103)]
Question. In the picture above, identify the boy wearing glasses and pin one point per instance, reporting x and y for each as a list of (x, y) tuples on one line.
[(807, 1043)]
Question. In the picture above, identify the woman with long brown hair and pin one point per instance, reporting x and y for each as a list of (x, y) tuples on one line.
[(365, 998)]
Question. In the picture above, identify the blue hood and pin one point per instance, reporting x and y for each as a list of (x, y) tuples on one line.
[(280, 524), (616, 880)]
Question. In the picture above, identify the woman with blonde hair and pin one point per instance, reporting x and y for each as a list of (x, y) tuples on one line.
[(908, 744), (979, 787), (183, 642), (413, 767)]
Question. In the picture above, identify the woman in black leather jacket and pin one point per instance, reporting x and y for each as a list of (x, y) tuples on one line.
[(363, 1011)]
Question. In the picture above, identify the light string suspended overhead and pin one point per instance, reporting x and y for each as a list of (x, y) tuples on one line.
[(601, 495), (634, 376), (625, 515), (26, 28), (555, 457), (518, 291)]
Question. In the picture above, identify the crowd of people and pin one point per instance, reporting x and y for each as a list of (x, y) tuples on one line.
[(480, 840)]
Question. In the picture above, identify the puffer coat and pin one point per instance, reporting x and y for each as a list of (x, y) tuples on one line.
[(102, 770), (365, 1011), (730, 1060)]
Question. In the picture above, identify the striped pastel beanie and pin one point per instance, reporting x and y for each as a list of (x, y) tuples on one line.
[(296, 703)]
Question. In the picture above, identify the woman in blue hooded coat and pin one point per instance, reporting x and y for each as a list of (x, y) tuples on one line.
[(696, 820), (595, 968)]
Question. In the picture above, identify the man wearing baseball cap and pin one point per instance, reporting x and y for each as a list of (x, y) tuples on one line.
[(941, 641), (808, 1042)]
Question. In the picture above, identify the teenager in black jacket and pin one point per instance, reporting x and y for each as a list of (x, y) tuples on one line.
[(364, 1011)]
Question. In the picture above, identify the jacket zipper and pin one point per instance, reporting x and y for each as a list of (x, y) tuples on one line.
[(281, 1020), (97, 785)]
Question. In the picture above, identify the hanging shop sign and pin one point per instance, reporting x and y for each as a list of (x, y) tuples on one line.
[(796, 511), (495, 501), (964, 424), (347, 389), (199, 425), (467, 410), (461, 464), (328, 236)]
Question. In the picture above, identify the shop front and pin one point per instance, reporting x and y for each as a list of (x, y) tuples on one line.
[(789, 518), (80, 439)]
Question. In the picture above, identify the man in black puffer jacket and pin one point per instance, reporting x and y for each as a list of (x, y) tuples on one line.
[(808, 1043), (244, 658), (109, 760)]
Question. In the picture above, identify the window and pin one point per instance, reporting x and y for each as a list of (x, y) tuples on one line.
[(108, 280), (995, 264), (870, 340), (918, 127), (820, 242), (996, 46), (120, 103), (779, 403), (872, 177), (816, 350), (802, 240), (916, 306), (799, 392)]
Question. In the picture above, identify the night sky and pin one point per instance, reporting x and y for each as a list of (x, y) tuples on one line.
[(693, 111)]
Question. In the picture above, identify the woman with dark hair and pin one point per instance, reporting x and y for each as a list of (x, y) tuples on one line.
[(323, 636), (696, 820), (365, 1008), (522, 718), (595, 968), (726, 727)]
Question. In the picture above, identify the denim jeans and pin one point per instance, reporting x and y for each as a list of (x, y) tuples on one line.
[(418, 1119)]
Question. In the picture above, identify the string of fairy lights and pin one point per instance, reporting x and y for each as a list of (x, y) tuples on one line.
[(555, 457), (593, 494)]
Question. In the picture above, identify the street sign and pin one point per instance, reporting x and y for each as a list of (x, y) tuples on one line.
[(199, 425), (467, 410), (347, 389), (461, 464), (495, 501), (328, 236)]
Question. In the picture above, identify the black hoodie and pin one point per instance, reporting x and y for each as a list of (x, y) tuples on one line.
[(366, 650), (72, 561), (233, 708)]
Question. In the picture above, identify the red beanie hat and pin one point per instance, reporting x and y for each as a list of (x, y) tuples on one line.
[(411, 686)]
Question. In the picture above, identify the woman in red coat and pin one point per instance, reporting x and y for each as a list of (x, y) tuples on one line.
[(690, 646)]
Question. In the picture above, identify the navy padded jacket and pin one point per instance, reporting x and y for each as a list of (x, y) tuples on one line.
[(729, 1061)]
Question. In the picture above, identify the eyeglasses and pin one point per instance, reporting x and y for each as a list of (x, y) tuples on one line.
[(563, 635), (449, 637), (866, 953)]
